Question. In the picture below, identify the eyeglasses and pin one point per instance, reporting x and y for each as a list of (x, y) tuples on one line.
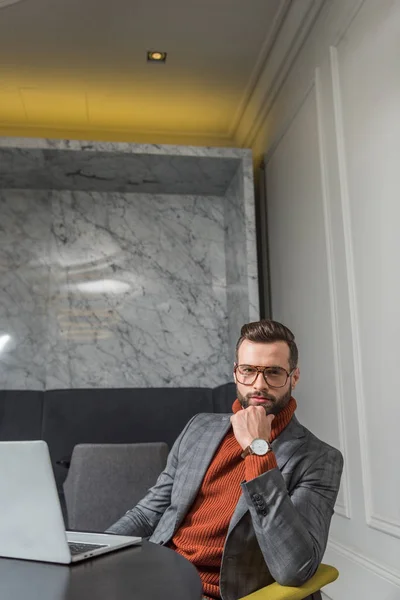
[(275, 377)]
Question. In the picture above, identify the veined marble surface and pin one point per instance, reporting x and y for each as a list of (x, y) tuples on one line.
[(117, 167), (107, 172), (24, 288), (138, 291), (241, 253), (117, 147), (126, 291), (116, 289), (250, 249)]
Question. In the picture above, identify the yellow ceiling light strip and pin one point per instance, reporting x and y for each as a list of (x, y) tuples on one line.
[(55, 104)]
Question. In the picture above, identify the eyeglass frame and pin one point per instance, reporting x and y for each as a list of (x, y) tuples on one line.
[(262, 370)]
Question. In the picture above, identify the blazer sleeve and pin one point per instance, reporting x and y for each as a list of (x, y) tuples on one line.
[(144, 517), (292, 528)]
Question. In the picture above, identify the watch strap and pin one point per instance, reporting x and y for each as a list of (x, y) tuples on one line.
[(246, 452)]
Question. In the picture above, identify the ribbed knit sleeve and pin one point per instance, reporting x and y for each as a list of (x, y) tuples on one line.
[(257, 465)]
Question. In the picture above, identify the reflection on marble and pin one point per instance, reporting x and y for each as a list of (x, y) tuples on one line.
[(155, 312), (24, 283), (109, 289), (137, 291)]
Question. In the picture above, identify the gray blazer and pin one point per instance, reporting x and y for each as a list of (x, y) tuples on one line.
[(280, 525)]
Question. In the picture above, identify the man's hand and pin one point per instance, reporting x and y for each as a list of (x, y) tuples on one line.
[(251, 423)]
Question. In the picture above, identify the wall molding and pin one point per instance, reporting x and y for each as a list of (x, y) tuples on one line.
[(343, 509), (290, 34), (260, 65), (375, 521), (288, 122), (383, 524), (391, 575)]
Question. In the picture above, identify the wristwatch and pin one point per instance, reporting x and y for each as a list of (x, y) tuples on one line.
[(258, 446)]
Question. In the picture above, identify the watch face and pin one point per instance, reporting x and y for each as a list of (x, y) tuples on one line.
[(259, 446)]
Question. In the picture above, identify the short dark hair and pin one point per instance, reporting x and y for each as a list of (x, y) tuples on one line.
[(267, 331)]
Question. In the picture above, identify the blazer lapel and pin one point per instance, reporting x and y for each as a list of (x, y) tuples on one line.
[(199, 463), (288, 442)]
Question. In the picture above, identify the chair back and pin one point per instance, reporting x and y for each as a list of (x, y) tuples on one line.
[(106, 480)]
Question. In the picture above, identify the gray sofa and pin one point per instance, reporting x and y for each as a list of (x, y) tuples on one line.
[(65, 418)]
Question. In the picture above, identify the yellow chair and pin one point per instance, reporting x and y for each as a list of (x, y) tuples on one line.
[(325, 574)]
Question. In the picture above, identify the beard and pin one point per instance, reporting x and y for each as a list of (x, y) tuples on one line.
[(273, 404)]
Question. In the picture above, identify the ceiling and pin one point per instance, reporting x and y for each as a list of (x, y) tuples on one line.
[(80, 65)]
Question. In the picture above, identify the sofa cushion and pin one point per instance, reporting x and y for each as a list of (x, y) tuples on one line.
[(20, 415), (223, 397), (73, 417)]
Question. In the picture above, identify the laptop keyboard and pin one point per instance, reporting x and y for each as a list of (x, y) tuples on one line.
[(77, 548)]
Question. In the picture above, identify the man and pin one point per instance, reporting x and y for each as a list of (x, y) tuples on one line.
[(248, 497)]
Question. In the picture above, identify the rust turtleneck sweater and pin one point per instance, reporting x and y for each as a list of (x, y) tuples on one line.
[(201, 536)]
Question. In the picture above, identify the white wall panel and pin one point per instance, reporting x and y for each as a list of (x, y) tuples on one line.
[(369, 91), (333, 199), (299, 266)]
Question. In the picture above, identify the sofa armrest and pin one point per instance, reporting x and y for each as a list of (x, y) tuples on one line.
[(325, 574)]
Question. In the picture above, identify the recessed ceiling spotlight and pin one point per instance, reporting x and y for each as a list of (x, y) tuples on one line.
[(155, 56)]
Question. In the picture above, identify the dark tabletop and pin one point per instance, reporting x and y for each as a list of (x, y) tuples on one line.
[(146, 572)]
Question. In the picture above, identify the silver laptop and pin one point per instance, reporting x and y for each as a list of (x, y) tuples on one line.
[(31, 521)]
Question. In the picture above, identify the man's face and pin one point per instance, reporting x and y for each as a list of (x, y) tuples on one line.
[(259, 393)]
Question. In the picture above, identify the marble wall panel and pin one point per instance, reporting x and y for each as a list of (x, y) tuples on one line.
[(107, 288), (112, 167), (24, 285), (137, 292), (241, 254), (249, 220)]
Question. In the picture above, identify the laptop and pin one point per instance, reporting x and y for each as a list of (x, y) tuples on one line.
[(31, 520)]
